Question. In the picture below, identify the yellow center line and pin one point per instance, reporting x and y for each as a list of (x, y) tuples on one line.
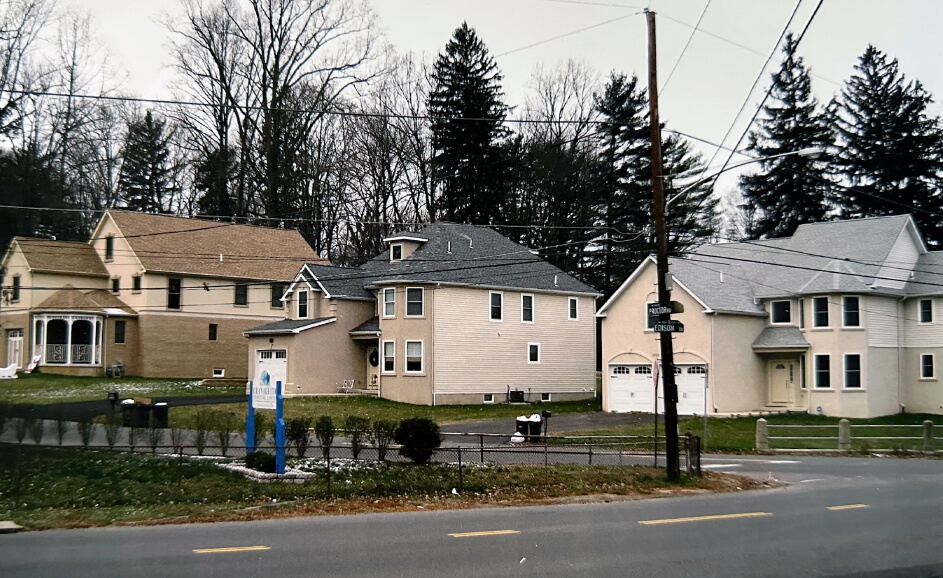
[(490, 533), (704, 518), (848, 507), (235, 549)]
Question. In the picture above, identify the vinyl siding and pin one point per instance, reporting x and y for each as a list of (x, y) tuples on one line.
[(901, 258), (476, 355), (881, 319), (922, 334)]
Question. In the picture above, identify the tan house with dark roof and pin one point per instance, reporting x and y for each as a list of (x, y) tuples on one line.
[(167, 296)]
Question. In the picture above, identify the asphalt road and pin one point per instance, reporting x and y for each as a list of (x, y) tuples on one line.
[(836, 517)]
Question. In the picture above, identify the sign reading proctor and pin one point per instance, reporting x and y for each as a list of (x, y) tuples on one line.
[(658, 309)]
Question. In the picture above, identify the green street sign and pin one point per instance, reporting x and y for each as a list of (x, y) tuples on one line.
[(669, 326)]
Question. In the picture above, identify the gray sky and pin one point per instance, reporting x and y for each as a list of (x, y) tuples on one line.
[(705, 92)]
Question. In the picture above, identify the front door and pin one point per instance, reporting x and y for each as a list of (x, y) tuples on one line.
[(373, 368), (782, 374), (15, 348)]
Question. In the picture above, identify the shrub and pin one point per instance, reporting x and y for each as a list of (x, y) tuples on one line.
[(261, 462), (22, 427), (296, 434), (324, 430), (223, 426), (201, 426), (111, 421), (86, 431), (419, 438), (176, 440), (358, 431), (133, 436), (36, 429), (384, 432), (154, 434), (261, 428), (61, 425), (4, 416)]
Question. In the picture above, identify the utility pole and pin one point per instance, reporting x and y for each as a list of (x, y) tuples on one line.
[(664, 296)]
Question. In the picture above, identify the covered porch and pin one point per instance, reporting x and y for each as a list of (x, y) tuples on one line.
[(783, 349)]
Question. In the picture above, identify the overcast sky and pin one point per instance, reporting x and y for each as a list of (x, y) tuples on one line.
[(703, 96)]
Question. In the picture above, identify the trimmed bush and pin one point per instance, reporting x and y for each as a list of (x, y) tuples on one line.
[(261, 462), (357, 430), (324, 429), (419, 438), (296, 434), (382, 436)]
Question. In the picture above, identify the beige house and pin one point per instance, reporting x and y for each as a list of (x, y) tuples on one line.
[(839, 319), (455, 314), (167, 296)]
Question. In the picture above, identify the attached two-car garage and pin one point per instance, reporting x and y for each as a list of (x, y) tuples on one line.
[(631, 388)]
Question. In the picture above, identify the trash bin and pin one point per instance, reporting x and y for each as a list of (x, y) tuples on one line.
[(134, 414), (159, 413), (535, 423), (522, 426)]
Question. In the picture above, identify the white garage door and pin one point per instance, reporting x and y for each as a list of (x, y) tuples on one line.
[(271, 365), (631, 388), (691, 381)]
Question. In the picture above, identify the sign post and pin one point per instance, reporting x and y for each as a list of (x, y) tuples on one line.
[(279, 430), (250, 425), (263, 394)]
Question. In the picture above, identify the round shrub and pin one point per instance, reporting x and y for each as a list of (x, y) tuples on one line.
[(419, 438), (261, 461)]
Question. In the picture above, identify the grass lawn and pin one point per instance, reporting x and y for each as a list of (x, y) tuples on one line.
[(46, 388), (374, 408), (43, 488), (738, 434)]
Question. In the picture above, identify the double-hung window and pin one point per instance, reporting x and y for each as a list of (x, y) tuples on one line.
[(926, 366), (780, 312), (533, 353), (302, 305), (414, 302), (396, 252), (389, 356), (173, 293), (389, 302), (241, 297), (16, 289), (110, 248), (852, 371), (820, 312), (414, 357), (573, 306), (527, 308), (926, 310), (497, 306), (275, 298), (851, 311), (121, 328), (822, 371)]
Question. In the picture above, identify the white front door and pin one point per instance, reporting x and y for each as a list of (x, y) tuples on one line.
[(15, 348), (692, 388), (781, 378)]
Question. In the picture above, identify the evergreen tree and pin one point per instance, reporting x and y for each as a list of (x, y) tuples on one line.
[(889, 149), (215, 170), (145, 183), (790, 190), (467, 129)]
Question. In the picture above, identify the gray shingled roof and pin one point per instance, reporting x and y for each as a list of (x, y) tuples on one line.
[(928, 275), (371, 325), (341, 281), (479, 256), (780, 338), (287, 326), (835, 256)]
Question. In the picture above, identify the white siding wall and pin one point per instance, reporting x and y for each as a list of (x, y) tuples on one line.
[(922, 335), (899, 262), (881, 320), (476, 355)]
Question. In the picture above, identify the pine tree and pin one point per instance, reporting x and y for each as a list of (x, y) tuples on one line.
[(790, 190), (467, 129), (889, 149), (145, 183)]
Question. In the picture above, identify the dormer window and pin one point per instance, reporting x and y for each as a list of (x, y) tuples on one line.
[(110, 248), (396, 252), (302, 305)]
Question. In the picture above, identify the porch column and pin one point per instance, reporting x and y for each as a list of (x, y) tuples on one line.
[(68, 341)]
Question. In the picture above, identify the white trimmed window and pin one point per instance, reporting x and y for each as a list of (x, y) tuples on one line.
[(487, 398), (533, 353), (389, 356), (241, 295), (820, 312), (396, 252), (527, 308), (780, 312), (414, 302), (573, 313), (389, 302), (822, 371), (302, 305), (544, 396), (852, 371), (414, 357), (926, 310), (927, 370), (496, 306), (851, 311)]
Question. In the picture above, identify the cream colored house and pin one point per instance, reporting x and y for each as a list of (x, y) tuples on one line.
[(167, 296), (842, 318), (454, 314)]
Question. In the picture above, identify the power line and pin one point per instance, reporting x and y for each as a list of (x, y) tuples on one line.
[(685, 49), (571, 33)]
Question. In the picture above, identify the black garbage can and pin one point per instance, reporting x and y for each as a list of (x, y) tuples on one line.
[(159, 413), (522, 426), (536, 430), (135, 414)]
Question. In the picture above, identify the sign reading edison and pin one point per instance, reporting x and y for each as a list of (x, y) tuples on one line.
[(263, 391)]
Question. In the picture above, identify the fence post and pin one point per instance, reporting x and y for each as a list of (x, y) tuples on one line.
[(927, 436), (481, 446), (762, 435), (590, 455), (461, 486), (844, 435), (546, 457), (329, 493), (687, 453)]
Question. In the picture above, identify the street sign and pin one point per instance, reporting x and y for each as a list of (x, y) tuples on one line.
[(659, 309), (670, 326)]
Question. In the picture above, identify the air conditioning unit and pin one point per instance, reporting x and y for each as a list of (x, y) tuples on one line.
[(515, 396)]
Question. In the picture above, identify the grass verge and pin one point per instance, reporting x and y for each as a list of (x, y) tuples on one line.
[(45, 488), (46, 388), (738, 434), (374, 408)]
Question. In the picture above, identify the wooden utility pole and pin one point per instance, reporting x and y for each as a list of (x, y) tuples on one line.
[(661, 233)]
